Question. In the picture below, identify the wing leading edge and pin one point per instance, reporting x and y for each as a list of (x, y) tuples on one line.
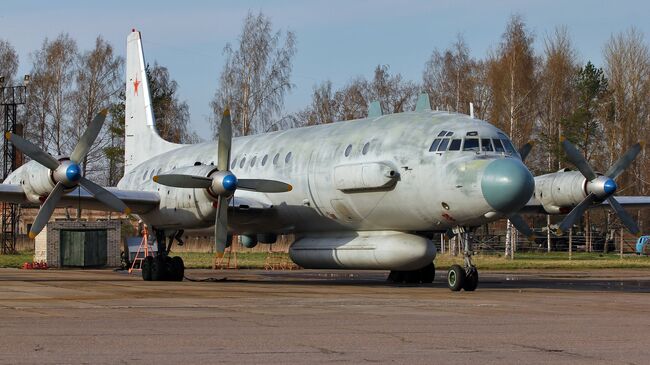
[(139, 201)]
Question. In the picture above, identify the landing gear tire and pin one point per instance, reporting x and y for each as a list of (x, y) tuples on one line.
[(177, 269), (411, 277), (396, 277), (456, 278), (147, 263), (428, 273), (424, 275), (158, 268), (471, 279)]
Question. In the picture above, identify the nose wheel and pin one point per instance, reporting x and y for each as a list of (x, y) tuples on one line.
[(465, 277)]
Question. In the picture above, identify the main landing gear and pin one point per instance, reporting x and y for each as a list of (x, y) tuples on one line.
[(424, 275), (465, 277), (162, 267)]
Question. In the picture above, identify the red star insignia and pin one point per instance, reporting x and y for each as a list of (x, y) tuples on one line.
[(136, 83)]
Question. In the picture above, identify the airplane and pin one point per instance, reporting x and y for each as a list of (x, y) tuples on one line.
[(361, 194)]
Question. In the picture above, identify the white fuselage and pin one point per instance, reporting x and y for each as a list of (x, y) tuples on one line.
[(340, 177)]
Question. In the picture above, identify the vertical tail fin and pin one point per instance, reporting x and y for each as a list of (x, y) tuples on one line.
[(141, 141)]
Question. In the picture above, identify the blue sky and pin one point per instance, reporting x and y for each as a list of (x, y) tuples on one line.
[(337, 39)]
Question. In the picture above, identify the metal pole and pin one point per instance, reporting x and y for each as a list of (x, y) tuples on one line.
[(548, 233), (621, 248), (570, 243)]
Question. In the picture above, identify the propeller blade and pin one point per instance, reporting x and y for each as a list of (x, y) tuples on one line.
[(524, 150), (578, 160), (575, 213), (263, 186), (221, 226), (88, 138), (626, 160), (32, 151), (46, 210), (225, 139), (104, 196), (184, 181), (520, 224), (626, 219)]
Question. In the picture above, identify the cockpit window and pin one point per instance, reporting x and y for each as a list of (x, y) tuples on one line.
[(434, 145), (455, 145), (508, 146), (443, 145), (498, 147), (471, 144), (442, 134), (449, 134), (486, 145)]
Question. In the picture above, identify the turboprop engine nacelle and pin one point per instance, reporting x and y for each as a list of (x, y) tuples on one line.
[(37, 181), (559, 192)]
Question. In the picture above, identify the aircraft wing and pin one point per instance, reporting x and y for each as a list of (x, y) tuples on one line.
[(630, 202), (138, 201)]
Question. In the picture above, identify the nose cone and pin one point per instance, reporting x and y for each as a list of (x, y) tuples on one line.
[(507, 185)]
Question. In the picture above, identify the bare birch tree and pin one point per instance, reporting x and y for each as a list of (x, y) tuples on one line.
[(51, 92), (627, 68), (557, 93), (8, 61), (512, 79), (98, 83), (256, 76), (450, 76)]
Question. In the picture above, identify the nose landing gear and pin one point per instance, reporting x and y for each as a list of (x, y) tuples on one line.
[(465, 277)]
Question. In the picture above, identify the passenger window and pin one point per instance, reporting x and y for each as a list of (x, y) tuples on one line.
[(455, 145), (471, 144), (253, 161), (241, 164), (366, 147), (288, 158), (442, 134), (498, 147), (508, 146), (443, 145), (266, 157), (275, 159), (486, 145), (233, 164), (434, 145), (144, 176), (348, 149)]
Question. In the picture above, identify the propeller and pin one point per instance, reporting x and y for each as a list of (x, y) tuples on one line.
[(222, 183), (524, 150), (66, 173), (520, 224), (599, 187)]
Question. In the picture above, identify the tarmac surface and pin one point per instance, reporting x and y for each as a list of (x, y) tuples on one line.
[(307, 316)]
